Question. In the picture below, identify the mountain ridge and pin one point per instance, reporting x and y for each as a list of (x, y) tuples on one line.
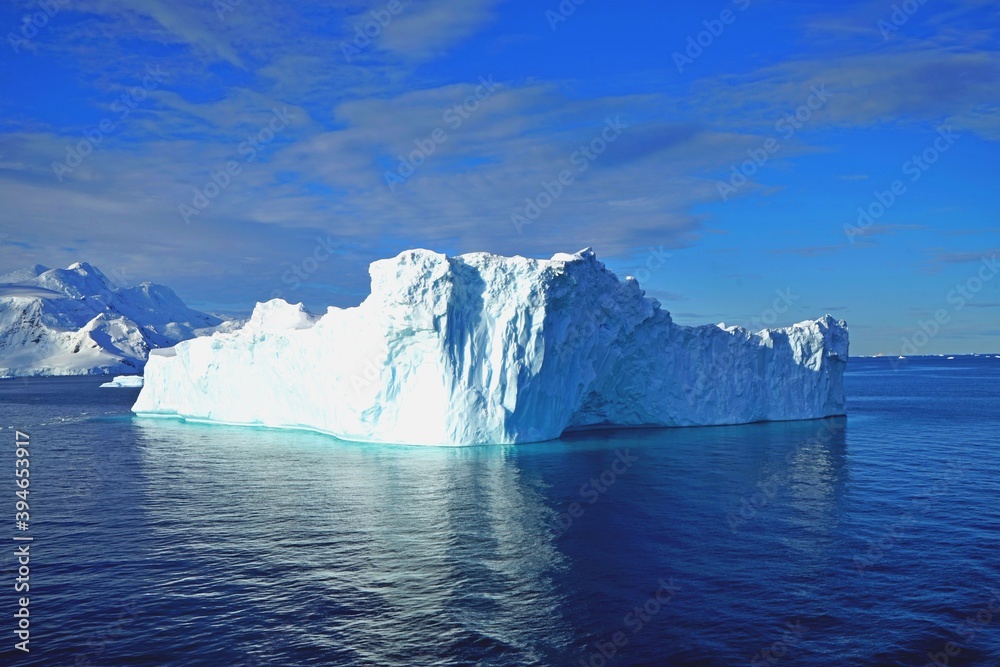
[(77, 321)]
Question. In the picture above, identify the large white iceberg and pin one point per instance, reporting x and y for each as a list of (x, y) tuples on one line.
[(487, 349)]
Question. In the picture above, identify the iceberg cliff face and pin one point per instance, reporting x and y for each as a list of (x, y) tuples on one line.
[(487, 349)]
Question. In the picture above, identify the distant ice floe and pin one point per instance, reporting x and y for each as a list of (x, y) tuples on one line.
[(125, 381)]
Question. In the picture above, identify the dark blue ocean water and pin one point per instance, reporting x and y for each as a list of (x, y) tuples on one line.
[(870, 540)]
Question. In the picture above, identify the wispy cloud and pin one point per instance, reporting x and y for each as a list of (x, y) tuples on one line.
[(965, 257), (811, 251), (426, 30)]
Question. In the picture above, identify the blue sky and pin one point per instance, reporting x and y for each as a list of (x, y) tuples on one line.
[(116, 116)]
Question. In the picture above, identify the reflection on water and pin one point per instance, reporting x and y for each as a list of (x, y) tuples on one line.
[(385, 546), (167, 543)]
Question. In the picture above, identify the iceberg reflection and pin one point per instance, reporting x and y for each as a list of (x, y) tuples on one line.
[(404, 554)]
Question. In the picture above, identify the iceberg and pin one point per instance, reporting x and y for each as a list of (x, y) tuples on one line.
[(484, 349), (124, 381)]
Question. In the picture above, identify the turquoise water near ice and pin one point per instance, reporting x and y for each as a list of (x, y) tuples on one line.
[(867, 540)]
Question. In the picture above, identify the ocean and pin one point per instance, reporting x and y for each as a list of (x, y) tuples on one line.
[(867, 540)]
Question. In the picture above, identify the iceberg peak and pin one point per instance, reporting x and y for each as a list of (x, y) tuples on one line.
[(587, 254), (278, 315)]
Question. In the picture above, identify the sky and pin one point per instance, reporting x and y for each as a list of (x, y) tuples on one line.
[(750, 162)]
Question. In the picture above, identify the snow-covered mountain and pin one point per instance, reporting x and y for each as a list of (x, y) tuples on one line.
[(76, 321), (487, 349)]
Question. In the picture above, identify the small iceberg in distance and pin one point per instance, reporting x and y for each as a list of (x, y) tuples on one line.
[(484, 349), (124, 381)]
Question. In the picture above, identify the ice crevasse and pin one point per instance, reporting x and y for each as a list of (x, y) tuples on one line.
[(480, 348)]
